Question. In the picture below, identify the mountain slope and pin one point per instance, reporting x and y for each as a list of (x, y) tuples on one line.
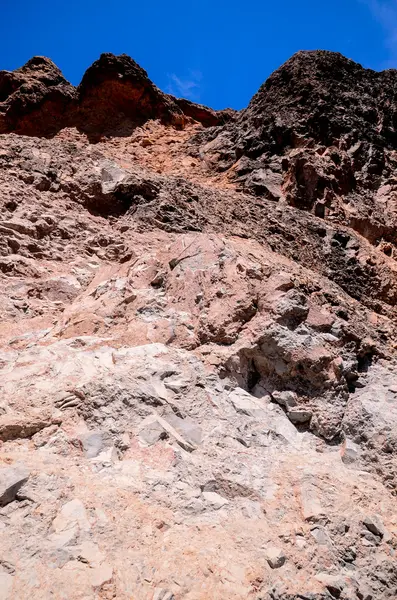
[(197, 343)]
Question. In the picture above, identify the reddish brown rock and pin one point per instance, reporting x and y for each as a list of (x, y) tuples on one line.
[(35, 99), (197, 338)]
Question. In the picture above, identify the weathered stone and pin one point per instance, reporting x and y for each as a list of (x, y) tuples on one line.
[(151, 431), (375, 525), (101, 575), (72, 514), (246, 404), (299, 415), (188, 429), (275, 557), (350, 451), (286, 398), (216, 500), (163, 594), (11, 480), (334, 583), (92, 443)]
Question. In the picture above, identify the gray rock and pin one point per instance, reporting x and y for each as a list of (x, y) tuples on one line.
[(349, 452), (275, 557), (11, 480), (246, 404), (162, 594), (299, 415), (152, 431), (187, 428), (320, 535), (375, 525), (92, 443), (286, 398)]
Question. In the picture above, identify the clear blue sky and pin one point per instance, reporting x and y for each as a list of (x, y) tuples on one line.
[(217, 52)]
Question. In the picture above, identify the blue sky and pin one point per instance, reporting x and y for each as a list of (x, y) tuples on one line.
[(217, 52)]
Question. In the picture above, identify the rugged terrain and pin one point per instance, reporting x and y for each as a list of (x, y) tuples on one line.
[(198, 337)]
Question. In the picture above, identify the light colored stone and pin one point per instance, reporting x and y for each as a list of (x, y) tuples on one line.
[(92, 443), (285, 398), (246, 404), (72, 514), (151, 431), (350, 451), (216, 500), (311, 506), (374, 524), (187, 428), (6, 584), (11, 480), (275, 557), (101, 575)]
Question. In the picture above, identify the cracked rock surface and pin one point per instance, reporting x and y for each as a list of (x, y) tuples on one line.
[(198, 392)]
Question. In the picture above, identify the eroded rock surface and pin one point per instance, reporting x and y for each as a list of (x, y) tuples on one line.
[(197, 339)]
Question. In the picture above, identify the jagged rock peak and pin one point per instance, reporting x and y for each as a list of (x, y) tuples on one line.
[(114, 96)]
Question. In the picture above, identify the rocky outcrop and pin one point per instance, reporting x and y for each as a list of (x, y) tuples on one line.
[(114, 97), (116, 92), (197, 338), (320, 135), (35, 99)]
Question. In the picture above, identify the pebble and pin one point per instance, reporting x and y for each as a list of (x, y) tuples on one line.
[(275, 557)]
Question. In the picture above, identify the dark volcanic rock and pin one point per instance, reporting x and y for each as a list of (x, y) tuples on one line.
[(114, 96), (35, 99), (115, 91), (204, 115)]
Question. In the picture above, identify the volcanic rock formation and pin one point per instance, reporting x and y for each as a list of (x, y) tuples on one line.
[(197, 340)]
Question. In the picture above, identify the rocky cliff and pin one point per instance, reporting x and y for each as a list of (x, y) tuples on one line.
[(197, 336)]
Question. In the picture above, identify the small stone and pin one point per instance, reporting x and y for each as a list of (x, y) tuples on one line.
[(92, 443), (6, 582), (11, 480), (374, 525), (72, 514), (187, 428), (320, 535), (162, 594), (151, 431), (176, 385), (349, 451), (246, 404), (333, 583), (299, 415), (275, 557), (286, 398), (215, 499)]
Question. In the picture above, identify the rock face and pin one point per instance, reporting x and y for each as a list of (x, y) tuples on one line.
[(197, 340), (35, 99)]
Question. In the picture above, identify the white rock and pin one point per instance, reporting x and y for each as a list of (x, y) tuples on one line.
[(215, 499), (72, 514)]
